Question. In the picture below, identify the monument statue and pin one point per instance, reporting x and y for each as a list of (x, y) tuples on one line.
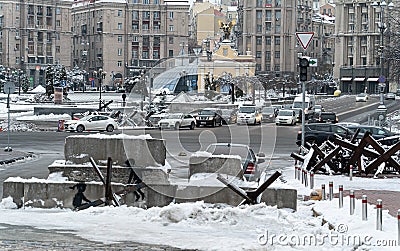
[(226, 28)]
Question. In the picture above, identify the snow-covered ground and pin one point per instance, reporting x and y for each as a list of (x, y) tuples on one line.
[(221, 227)]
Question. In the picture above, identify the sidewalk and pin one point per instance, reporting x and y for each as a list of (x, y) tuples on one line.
[(10, 157)]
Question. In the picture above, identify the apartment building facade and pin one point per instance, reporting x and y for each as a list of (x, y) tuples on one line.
[(358, 51), (118, 37), (267, 28), (122, 38), (33, 34)]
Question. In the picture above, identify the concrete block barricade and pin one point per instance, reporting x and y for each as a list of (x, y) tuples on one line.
[(145, 150), (204, 162), (51, 194), (149, 175)]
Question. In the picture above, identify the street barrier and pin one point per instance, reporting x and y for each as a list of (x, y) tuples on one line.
[(312, 180), (379, 215), (352, 202), (330, 190), (340, 196), (364, 208), (323, 192)]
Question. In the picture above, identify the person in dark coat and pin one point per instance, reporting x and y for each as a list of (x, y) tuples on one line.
[(79, 196)]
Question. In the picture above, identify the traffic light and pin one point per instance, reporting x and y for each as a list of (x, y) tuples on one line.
[(303, 68)]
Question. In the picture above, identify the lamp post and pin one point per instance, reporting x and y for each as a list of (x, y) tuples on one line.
[(101, 75), (382, 79)]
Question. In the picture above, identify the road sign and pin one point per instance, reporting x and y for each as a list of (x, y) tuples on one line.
[(313, 62), (304, 38), (9, 88), (381, 79)]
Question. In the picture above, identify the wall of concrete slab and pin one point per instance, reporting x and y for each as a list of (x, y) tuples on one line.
[(145, 152), (48, 194)]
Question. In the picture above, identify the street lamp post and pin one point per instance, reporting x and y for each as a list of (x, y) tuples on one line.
[(101, 75), (382, 79)]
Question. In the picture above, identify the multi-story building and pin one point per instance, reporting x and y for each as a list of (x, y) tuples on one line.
[(122, 37), (358, 41), (117, 36), (267, 28), (33, 34)]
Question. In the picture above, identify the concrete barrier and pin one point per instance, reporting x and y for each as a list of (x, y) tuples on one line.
[(215, 164), (86, 173), (50, 194), (146, 151)]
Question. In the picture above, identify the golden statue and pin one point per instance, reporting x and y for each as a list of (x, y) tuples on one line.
[(226, 28)]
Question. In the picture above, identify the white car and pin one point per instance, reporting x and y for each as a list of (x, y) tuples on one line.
[(287, 117), (176, 121), (362, 97), (91, 123), (249, 114)]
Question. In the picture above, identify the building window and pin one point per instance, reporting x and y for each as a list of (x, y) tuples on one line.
[(120, 13), (171, 40), (259, 14), (267, 55), (135, 1), (259, 3), (156, 54), (277, 54), (259, 28), (268, 40), (146, 1), (135, 39), (146, 15), (58, 23), (145, 54), (119, 38), (17, 60), (156, 15), (258, 40), (171, 15), (170, 53), (268, 26), (277, 40), (268, 15), (58, 11), (258, 67), (145, 26), (58, 49), (135, 15), (119, 52), (267, 67), (156, 1), (119, 63), (119, 26), (171, 28), (258, 54), (277, 68)]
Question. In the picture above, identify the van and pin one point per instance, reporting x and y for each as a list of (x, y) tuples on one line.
[(309, 106), (249, 114)]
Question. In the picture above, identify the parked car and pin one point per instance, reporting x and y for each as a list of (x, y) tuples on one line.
[(320, 132), (229, 116), (209, 117), (378, 133), (287, 117), (327, 117), (390, 95), (250, 162), (177, 121), (249, 114), (268, 114), (362, 97), (91, 123)]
